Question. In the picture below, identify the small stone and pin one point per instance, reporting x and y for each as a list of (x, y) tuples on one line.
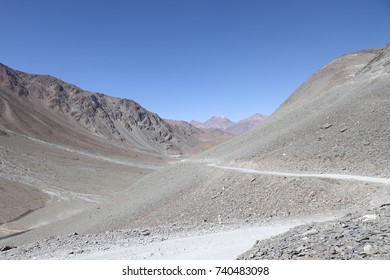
[(368, 249), (3, 133), (339, 249), (6, 248), (368, 217), (363, 239), (385, 227), (326, 126), (319, 248), (145, 232), (366, 143), (312, 195), (339, 236), (310, 232)]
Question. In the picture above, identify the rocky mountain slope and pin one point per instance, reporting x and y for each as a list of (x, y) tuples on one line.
[(337, 122), (47, 108), (223, 123)]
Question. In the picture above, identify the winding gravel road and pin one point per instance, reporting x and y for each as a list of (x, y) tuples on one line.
[(226, 244), (345, 177)]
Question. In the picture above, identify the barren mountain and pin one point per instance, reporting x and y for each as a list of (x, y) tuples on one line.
[(223, 123), (220, 122), (323, 154), (62, 148), (246, 124), (49, 109), (337, 121), (208, 137)]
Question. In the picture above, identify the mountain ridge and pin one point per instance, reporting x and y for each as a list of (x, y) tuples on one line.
[(57, 105), (225, 124)]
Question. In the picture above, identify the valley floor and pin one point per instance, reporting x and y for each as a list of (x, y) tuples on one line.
[(203, 242), (214, 240)]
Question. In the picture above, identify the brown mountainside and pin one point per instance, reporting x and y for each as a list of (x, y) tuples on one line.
[(47, 108)]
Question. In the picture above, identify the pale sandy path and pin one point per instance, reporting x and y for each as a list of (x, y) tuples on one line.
[(223, 245), (345, 177)]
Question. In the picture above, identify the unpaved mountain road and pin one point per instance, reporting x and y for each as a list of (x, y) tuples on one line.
[(215, 243), (230, 243), (346, 177), (218, 245), (223, 244)]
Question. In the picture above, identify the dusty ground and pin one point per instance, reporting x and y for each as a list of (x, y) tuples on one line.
[(144, 218), (64, 180), (17, 200), (206, 241)]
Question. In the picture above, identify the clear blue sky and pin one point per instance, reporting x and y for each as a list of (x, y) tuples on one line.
[(188, 59)]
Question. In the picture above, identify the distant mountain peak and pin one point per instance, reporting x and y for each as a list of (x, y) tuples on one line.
[(225, 124)]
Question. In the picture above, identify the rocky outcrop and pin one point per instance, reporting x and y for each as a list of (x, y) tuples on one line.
[(357, 236)]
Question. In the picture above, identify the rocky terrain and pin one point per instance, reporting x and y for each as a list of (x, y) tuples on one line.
[(224, 124), (64, 149), (47, 108), (337, 121), (359, 236), (324, 154)]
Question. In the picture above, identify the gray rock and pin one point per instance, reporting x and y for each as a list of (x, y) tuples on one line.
[(3, 133), (145, 232), (6, 248), (368, 249), (326, 126), (310, 232), (385, 227)]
